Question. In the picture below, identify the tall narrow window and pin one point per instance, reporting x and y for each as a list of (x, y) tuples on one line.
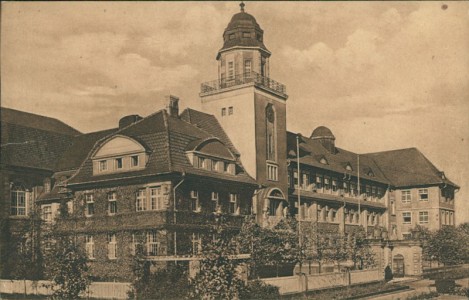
[(134, 244), (270, 132), (18, 201), (156, 198), (319, 182), (47, 213), (247, 68), (112, 203), (230, 110), (89, 204), (141, 200), (152, 243), (234, 205), (263, 66), (230, 70), (102, 165), (196, 244), (89, 246), (334, 184), (195, 201), (214, 201), (111, 246), (223, 111)]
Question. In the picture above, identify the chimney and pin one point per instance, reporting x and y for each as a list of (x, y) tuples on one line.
[(172, 105)]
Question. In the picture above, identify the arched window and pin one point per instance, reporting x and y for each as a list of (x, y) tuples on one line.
[(18, 205)]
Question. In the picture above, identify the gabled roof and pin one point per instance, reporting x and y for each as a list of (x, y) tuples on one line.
[(408, 167), (167, 139), (312, 151), (33, 141)]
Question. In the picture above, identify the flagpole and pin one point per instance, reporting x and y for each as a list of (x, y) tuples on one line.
[(299, 182), (359, 193)]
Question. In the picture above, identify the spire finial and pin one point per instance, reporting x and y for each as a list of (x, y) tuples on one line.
[(242, 5)]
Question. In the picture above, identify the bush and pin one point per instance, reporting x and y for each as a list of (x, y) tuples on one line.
[(445, 286), (258, 289), (422, 296), (169, 283)]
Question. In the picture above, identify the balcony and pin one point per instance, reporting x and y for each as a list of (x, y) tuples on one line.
[(252, 78)]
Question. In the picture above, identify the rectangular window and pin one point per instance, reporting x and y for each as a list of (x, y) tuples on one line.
[(153, 246), (223, 111), (195, 201), (134, 161), (156, 198), (112, 203), (111, 246), (407, 217), (368, 191), (89, 246), (119, 164), (47, 213), (196, 244), (327, 184), (423, 194), (304, 180), (346, 187), (423, 217), (89, 204), (334, 185), (318, 182), (380, 192), (230, 70), (247, 68), (141, 203), (133, 244), (234, 205), (406, 197), (272, 172), (18, 203), (215, 196), (230, 110), (102, 165), (353, 189), (295, 179), (214, 202), (393, 208)]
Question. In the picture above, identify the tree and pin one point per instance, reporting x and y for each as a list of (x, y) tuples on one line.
[(68, 269), (337, 251), (359, 249), (314, 244), (268, 247), (449, 245), (217, 278)]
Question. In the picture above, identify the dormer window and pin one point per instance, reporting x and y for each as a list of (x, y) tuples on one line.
[(211, 155), (348, 167), (119, 164), (323, 160), (119, 153), (103, 165), (134, 161)]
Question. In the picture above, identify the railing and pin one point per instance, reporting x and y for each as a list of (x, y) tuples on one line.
[(252, 77)]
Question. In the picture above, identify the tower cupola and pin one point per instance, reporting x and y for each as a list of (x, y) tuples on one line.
[(325, 137), (243, 31)]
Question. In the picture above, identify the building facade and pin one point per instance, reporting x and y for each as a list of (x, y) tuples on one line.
[(167, 180)]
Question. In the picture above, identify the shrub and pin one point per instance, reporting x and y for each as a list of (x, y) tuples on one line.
[(445, 286), (422, 296), (258, 289)]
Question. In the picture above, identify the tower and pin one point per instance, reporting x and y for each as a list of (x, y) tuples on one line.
[(251, 107)]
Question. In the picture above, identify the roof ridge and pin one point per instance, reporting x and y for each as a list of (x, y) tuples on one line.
[(394, 150), (37, 115)]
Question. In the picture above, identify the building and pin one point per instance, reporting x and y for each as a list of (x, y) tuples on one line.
[(30, 147), (167, 180)]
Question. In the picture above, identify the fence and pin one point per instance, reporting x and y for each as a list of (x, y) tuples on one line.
[(101, 290), (303, 283)]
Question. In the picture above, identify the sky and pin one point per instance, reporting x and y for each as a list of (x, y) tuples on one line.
[(380, 75)]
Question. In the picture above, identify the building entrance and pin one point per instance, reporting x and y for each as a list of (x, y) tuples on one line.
[(398, 266)]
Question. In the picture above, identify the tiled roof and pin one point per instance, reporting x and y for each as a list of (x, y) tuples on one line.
[(312, 151), (408, 167), (79, 149), (167, 138), (29, 140)]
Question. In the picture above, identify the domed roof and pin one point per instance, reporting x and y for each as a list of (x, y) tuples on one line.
[(243, 31), (242, 19), (322, 132)]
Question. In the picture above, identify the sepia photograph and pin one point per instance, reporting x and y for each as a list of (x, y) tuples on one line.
[(234, 150)]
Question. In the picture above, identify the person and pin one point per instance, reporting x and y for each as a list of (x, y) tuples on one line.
[(388, 273)]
